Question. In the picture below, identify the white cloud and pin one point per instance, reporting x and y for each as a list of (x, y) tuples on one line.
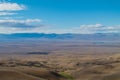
[(7, 13), (10, 30), (19, 25), (24, 26), (7, 6), (20, 21), (97, 28), (13, 24)]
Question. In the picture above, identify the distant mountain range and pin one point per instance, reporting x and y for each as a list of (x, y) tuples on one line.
[(97, 36)]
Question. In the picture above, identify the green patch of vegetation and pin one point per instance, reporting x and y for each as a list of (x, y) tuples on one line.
[(67, 76)]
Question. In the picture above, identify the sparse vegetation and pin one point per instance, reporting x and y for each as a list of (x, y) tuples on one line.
[(67, 76)]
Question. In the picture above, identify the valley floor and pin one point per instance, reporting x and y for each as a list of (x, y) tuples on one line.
[(61, 67)]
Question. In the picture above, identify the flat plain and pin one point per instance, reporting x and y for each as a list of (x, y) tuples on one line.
[(59, 60)]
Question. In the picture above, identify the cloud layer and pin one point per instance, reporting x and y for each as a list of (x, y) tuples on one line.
[(7, 6), (21, 24), (20, 21), (7, 13), (12, 24), (98, 28)]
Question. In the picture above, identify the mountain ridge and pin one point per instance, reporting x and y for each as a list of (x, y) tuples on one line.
[(97, 36)]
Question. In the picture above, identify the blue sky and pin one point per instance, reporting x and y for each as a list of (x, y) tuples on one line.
[(60, 16)]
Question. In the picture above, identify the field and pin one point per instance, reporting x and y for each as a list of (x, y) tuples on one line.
[(59, 60)]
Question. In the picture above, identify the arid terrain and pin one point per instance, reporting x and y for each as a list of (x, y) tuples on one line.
[(59, 39), (59, 60)]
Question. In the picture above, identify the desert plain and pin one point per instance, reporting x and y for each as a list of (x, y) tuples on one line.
[(59, 60)]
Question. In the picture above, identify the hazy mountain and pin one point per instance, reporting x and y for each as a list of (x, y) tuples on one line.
[(98, 36)]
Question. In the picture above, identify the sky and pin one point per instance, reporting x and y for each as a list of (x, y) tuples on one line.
[(59, 16)]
